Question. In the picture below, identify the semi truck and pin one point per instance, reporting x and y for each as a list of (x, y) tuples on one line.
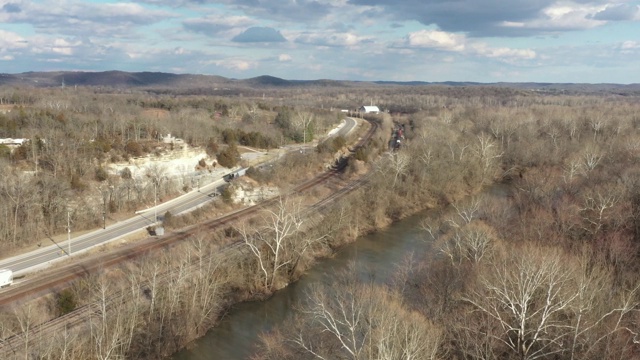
[(6, 277), (235, 174)]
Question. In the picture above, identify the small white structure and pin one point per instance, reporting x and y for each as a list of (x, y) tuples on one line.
[(370, 110), (6, 277), (12, 144), (172, 140)]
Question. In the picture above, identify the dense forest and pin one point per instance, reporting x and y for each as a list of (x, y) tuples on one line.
[(549, 271)]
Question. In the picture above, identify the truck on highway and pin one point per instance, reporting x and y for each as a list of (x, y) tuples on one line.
[(6, 277), (235, 174)]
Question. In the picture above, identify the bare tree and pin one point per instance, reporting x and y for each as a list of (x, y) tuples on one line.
[(591, 157), (17, 191), (526, 296), (538, 303), (396, 163), (302, 121), (470, 242), (488, 154), (354, 320), (571, 170), (596, 205), (25, 317), (112, 326), (272, 242)]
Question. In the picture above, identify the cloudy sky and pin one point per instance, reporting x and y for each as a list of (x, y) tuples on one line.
[(401, 40)]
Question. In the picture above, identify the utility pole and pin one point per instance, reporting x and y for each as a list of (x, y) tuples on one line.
[(305, 120), (104, 191), (104, 211), (69, 230), (155, 197)]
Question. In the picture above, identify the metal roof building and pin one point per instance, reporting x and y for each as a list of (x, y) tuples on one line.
[(370, 110)]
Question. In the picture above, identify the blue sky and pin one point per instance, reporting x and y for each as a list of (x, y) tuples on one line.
[(592, 41)]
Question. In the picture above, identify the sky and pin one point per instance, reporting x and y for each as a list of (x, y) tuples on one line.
[(582, 41)]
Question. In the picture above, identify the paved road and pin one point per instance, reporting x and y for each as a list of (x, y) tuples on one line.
[(43, 257), (350, 124)]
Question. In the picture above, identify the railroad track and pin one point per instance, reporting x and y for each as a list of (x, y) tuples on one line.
[(59, 278)]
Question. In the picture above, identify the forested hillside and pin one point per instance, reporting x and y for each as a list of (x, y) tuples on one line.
[(549, 270), (70, 137)]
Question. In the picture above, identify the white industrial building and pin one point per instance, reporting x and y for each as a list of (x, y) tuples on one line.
[(369, 110)]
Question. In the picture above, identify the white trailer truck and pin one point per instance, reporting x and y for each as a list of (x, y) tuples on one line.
[(6, 277)]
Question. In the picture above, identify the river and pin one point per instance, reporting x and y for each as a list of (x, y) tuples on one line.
[(375, 256)]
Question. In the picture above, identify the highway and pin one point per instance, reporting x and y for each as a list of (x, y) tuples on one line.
[(43, 257)]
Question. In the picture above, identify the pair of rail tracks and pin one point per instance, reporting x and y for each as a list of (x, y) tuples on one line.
[(58, 279)]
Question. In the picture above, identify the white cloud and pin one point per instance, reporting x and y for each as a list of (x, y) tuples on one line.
[(561, 16), (10, 40), (219, 24), (437, 40), (629, 47), (568, 16), (332, 39), (503, 52), (62, 50), (459, 43), (181, 51), (236, 64), (83, 18), (285, 58)]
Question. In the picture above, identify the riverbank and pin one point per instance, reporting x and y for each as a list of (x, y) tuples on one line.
[(357, 215), (373, 256)]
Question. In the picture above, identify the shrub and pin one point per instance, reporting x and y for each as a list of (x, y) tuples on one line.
[(331, 146), (227, 194), (66, 302), (262, 175), (229, 157), (113, 206), (338, 143), (324, 148), (134, 148), (101, 174), (167, 220), (5, 152), (212, 147), (77, 183), (126, 173), (361, 154)]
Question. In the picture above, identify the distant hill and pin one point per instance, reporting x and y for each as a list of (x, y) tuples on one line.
[(113, 79), (193, 83), (267, 80)]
